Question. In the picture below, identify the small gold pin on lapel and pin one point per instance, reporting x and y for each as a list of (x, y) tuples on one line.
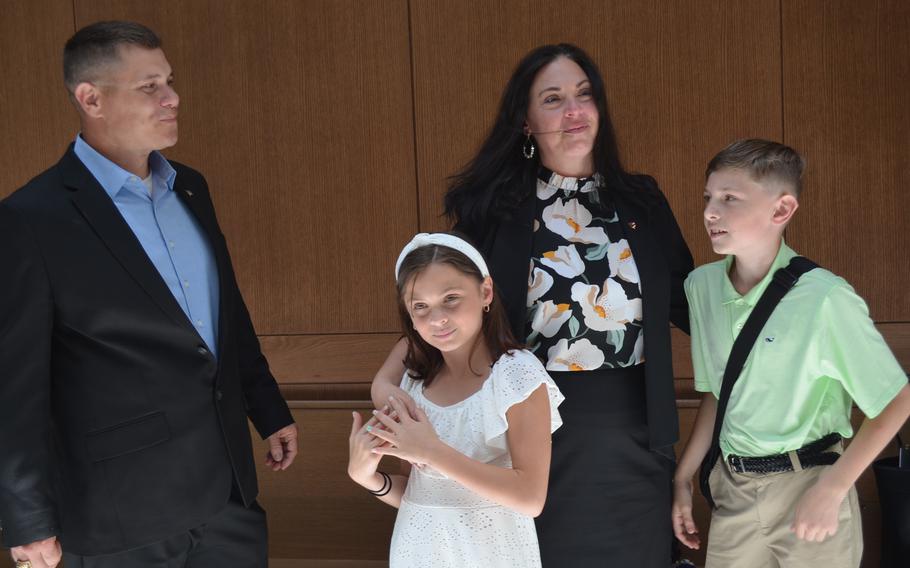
[(633, 225)]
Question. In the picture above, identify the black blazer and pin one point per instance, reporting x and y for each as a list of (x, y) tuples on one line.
[(117, 425), (663, 261)]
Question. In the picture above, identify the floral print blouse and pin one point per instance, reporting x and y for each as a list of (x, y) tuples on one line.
[(584, 294)]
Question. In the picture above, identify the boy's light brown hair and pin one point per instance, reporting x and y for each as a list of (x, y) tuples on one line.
[(762, 160)]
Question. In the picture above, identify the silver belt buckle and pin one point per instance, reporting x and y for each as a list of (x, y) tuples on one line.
[(731, 459)]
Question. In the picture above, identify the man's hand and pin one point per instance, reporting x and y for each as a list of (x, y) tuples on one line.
[(42, 554), (282, 448)]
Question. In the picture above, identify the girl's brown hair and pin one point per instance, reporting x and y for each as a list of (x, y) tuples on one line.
[(424, 361)]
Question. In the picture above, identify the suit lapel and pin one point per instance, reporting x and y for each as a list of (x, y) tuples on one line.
[(100, 212), (191, 197), (201, 208), (648, 257)]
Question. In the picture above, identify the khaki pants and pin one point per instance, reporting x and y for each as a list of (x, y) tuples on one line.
[(751, 526)]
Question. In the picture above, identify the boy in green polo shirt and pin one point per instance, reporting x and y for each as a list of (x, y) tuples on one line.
[(817, 355)]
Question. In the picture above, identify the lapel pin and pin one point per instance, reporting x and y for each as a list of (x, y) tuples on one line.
[(188, 192), (633, 225)]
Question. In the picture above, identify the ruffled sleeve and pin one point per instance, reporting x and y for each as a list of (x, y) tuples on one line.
[(408, 384), (514, 377)]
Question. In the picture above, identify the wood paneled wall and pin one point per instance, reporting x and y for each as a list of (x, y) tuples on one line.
[(846, 100), (327, 128)]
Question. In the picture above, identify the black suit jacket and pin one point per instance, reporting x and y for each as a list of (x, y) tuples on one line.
[(117, 425), (663, 261)]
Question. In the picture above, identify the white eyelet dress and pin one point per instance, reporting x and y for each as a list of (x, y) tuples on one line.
[(442, 524)]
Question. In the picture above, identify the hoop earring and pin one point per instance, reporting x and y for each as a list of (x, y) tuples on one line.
[(486, 308), (528, 148)]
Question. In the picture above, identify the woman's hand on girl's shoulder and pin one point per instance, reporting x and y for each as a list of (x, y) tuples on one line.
[(410, 438)]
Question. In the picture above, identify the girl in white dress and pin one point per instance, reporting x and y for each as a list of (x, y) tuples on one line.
[(476, 452)]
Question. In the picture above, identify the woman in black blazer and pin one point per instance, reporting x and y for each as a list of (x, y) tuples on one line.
[(590, 262)]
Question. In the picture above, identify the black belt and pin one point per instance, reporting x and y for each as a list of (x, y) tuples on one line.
[(810, 455)]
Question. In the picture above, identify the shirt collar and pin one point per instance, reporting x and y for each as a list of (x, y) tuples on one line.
[(570, 185), (111, 176), (784, 254)]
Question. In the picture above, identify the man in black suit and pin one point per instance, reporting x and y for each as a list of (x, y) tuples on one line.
[(128, 361)]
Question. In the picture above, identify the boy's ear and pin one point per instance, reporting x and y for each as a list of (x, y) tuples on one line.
[(784, 209)]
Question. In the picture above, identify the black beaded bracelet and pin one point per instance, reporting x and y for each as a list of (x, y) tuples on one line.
[(386, 485)]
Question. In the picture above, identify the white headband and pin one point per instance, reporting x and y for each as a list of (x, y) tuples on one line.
[(446, 240)]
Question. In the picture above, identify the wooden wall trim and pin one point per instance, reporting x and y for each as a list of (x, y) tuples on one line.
[(340, 367)]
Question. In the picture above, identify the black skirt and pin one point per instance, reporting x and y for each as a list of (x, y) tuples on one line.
[(609, 496)]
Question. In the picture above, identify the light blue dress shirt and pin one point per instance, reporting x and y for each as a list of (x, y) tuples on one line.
[(168, 232)]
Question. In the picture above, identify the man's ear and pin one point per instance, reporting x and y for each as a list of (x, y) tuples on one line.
[(784, 209), (88, 98)]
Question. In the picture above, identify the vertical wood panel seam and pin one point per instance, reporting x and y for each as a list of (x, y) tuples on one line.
[(414, 116), (74, 17), (780, 38)]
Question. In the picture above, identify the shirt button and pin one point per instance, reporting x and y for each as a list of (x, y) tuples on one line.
[(170, 244), (202, 350), (218, 395), (186, 284), (199, 323)]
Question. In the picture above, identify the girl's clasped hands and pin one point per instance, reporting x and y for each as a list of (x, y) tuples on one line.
[(394, 430)]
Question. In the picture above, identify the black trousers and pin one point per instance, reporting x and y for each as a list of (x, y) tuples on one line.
[(237, 537), (609, 496)]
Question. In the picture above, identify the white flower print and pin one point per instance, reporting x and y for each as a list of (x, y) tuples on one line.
[(610, 310), (544, 190), (582, 355), (570, 220), (638, 350), (549, 317), (622, 263), (592, 184), (565, 260), (539, 281)]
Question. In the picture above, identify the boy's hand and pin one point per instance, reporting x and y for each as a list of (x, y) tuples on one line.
[(683, 524), (817, 512)]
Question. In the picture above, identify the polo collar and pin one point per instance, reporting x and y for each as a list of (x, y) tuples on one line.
[(782, 259)]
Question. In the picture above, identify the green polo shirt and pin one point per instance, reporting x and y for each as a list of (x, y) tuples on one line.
[(817, 354)]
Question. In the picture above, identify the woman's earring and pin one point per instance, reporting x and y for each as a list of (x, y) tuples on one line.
[(528, 148), (486, 308)]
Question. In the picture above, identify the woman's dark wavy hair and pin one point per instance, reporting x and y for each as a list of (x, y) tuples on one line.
[(499, 177), (424, 361)]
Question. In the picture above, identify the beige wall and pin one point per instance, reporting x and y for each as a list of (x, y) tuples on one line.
[(326, 129)]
